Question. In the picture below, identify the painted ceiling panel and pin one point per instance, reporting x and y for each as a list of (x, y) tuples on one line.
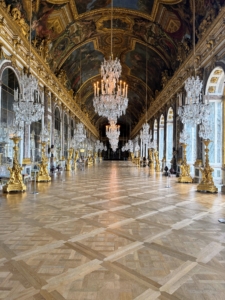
[(144, 6)]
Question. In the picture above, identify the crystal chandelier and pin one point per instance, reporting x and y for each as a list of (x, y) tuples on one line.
[(129, 146), (194, 110), (151, 144), (113, 131), (79, 133), (110, 99), (99, 146), (44, 135), (184, 136), (205, 131), (144, 134), (28, 107)]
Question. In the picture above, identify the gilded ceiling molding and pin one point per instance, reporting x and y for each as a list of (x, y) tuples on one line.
[(204, 57), (18, 53)]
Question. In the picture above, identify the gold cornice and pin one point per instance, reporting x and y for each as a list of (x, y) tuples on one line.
[(177, 81), (8, 32)]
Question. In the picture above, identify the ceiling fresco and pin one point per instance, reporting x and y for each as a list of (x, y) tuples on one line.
[(73, 28), (136, 61), (82, 64), (144, 6)]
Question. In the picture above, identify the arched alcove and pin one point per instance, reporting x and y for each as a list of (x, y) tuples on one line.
[(161, 137), (155, 130), (9, 84), (57, 129), (66, 130)]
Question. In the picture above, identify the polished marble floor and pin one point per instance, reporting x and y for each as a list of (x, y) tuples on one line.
[(112, 232)]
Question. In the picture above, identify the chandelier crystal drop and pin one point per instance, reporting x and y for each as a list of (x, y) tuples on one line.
[(79, 133), (27, 105)]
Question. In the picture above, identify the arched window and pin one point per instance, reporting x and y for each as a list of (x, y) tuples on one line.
[(66, 127), (155, 131), (169, 136), (35, 146), (161, 137), (214, 92), (57, 119), (7, 115), (9, 84), (57, 139)]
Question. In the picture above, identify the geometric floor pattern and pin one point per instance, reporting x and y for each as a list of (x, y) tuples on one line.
[(112, 232)]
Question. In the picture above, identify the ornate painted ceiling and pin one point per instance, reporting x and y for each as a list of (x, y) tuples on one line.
[(75, 36)]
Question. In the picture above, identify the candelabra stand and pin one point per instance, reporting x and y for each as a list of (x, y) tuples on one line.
[(151, 159), (70, 155), (15, 183), (207, 184), (157, 163), (185, 168), (43, 174)]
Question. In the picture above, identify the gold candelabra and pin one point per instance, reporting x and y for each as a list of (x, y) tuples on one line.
[(207, 184), (157, 163), (15, 183), (185, 168), (43, 174), (132, 156), (151, 159), (70, 155)]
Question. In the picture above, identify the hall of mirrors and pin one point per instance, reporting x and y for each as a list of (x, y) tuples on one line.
[(112, 135), (70, 133)]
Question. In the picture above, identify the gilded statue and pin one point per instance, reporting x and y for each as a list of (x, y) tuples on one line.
[(207, 183), (206, 22), (16, 15), (165, 78), (184, 167), (63, 77)]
